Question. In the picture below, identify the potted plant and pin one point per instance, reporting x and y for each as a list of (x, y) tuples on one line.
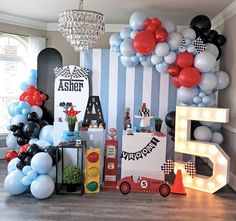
[(72, 177), (158, 123), (71, 118)]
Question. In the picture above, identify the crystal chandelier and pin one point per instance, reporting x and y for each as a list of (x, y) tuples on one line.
[(81, 28)]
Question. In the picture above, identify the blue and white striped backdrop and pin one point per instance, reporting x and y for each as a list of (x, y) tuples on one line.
[(119, 87)]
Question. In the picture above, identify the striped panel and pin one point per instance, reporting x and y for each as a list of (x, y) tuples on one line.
[(120, 87)]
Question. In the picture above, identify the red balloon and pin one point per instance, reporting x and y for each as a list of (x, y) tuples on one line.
[(23, 95), (37, 93), (23, 148), (37, 98), (39, 103), (152, 27), (43, 97), (30, 100), (147, 22), (11, 154), (189, 77), (144, 42), (173, 70), (31, 90), (185, 60), (175, 82), (161, 34), (156, 21)]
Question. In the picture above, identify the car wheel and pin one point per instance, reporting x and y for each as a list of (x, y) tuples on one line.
[(125, 188), (164, 190)]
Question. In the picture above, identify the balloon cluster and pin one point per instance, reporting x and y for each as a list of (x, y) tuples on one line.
[(34, 168), (31, 80), (33, 96)]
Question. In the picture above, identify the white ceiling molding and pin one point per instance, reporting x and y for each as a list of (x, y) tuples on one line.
[(224, 15), (24, 22)]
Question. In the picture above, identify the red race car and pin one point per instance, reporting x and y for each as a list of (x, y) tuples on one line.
[(143, 184)]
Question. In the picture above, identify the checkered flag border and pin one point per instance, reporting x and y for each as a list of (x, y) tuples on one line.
[(168, 166), (144, 112), (199, 45), (190, 168)]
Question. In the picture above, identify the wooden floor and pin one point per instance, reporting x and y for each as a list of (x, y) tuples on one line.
[(114, 206)]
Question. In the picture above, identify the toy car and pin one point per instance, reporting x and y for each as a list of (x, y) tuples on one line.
[(143, 184)]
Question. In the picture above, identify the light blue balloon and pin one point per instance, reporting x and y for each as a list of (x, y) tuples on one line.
[(223, 80), (201, 105), (11, 107), (11, 141), (42, 187), (206, 99), (197, 100), (17, 110), (170, 58), (142, 58), (46, 133), (12, 164), (115, 48), (41, 163), (24, 86), (217, 138), (25, 111), (26, 181), (136, 21), (13, 184), (139, 54), (162, 68), (187, 42), (203, 133), (191, 49), (32, 174), (202, 94), (211, 101), (156, 60), (33, 73), (186, 95), (33, 140), (216, 126), (26, 169), (127, 62), (52, 173), (42, 143), (115, 39), (147, 62), (162, 49), (133, 34), (135, 59), (32, 80), (24, 104), (126, 48), (125, 33), (19, 118)]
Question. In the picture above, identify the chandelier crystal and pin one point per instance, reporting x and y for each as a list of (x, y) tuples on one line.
[(81, 28)]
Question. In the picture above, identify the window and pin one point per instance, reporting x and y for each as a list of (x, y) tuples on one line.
[(13, 71)]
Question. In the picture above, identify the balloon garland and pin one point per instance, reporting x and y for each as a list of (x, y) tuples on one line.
[(32, 156)]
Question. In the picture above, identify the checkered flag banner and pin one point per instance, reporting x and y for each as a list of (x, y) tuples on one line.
[(199, 45), (80, 72), (65, 72), (168, 166), (190, 168), (182, 47), (144, 112)]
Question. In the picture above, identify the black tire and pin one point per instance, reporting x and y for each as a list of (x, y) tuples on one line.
[(164, 190), (125, 188)]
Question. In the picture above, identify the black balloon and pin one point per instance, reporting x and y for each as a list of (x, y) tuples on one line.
[(33, 116), (200, 23), (20, 165), (219, 55), (27, 160), (221, 40), (20, 125), (43, 123), (212, 37), (31, 129), (52, 151), (13, 128), (18, 133), (22, 156), (22, 141), (33, 149), (170, 119)]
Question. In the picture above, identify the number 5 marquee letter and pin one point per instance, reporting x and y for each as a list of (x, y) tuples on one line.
[(213, 151)]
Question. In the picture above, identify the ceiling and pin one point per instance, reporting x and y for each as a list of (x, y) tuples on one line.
[(116, 11)]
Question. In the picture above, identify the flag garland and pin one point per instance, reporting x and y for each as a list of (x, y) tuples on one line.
[(168, 166), (190, 168), (142, 153)]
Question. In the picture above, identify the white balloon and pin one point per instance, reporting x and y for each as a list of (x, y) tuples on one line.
[(169, 26), (37, 110), (174, 40), (217, 138), (170, 58), (162, 49), (216, 126), (205, 61), (213, 49), (208, 81), (202, 133), (189, 33), (42, 187), (223, 80), (186, 95)]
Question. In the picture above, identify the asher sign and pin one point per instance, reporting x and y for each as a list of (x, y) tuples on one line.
[(71, 86)]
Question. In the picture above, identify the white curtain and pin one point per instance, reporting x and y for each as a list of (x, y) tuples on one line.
[(36, 44)]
